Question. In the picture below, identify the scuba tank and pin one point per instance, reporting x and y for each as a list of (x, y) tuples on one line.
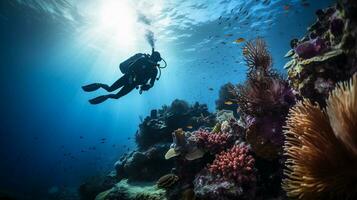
[(125, 65)]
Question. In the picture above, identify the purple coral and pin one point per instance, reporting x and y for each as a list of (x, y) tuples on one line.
[(269, 128), (311, 48)]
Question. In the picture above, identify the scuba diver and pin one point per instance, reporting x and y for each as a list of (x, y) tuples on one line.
[(140, 71)]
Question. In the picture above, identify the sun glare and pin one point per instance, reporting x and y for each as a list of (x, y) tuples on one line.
[(113, 24)]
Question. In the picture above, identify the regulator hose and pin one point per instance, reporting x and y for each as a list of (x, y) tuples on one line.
[(160, 69)]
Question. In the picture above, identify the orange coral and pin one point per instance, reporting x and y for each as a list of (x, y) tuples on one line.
[(320, 147)]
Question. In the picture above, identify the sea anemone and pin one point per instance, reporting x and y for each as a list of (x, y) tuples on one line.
[(321, 147), (342, 112), (257, 55)]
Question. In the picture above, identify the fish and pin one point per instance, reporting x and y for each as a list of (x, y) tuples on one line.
[(286, 7), (189, 127), (228, 103), (80, 137), (228, 35), (211, 89), (239, 40)]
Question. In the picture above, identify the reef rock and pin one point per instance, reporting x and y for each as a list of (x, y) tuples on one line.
[(96, 184), (146, 165), (157, 128), (132, 191), (327, 54), (225, 96)]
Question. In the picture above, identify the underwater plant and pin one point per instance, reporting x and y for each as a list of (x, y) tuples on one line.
[(321, 147)]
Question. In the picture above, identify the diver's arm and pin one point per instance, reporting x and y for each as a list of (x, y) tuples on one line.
[(153, 77), (146, 87)]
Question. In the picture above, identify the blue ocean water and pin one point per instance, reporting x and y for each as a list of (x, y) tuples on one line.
[(51, 136)]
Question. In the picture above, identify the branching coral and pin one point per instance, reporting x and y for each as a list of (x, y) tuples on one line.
[(230, 176), (257, 55), (212, 142), (321, 147), (235, 164)]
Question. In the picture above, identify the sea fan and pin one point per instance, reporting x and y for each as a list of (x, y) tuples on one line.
[(320, 147), (257, 55)]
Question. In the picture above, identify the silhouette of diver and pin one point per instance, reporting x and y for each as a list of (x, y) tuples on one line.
[(139, 71)]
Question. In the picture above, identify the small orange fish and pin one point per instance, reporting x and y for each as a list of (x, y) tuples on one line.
[(228, 103), (239, 40)]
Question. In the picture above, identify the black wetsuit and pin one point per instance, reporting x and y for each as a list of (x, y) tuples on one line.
[(141, 72)]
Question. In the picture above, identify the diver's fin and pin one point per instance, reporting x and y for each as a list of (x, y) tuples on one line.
[(99, 99), (91, 87)]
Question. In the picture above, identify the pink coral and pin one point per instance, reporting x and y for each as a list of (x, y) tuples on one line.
[(213, 142), (235, 164)]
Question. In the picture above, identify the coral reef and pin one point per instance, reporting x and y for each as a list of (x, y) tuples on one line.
[(231, 175), (321, 147), (158, 127), (182, 146), (167, 181), (235, 164), (240, 151), (212, 142), (327, 54), (264, 101), (146, 165), (132, 191), (94, 185)]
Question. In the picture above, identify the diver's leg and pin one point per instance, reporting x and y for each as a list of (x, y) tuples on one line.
[(93, 87), (117, 84), (124, 91)]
